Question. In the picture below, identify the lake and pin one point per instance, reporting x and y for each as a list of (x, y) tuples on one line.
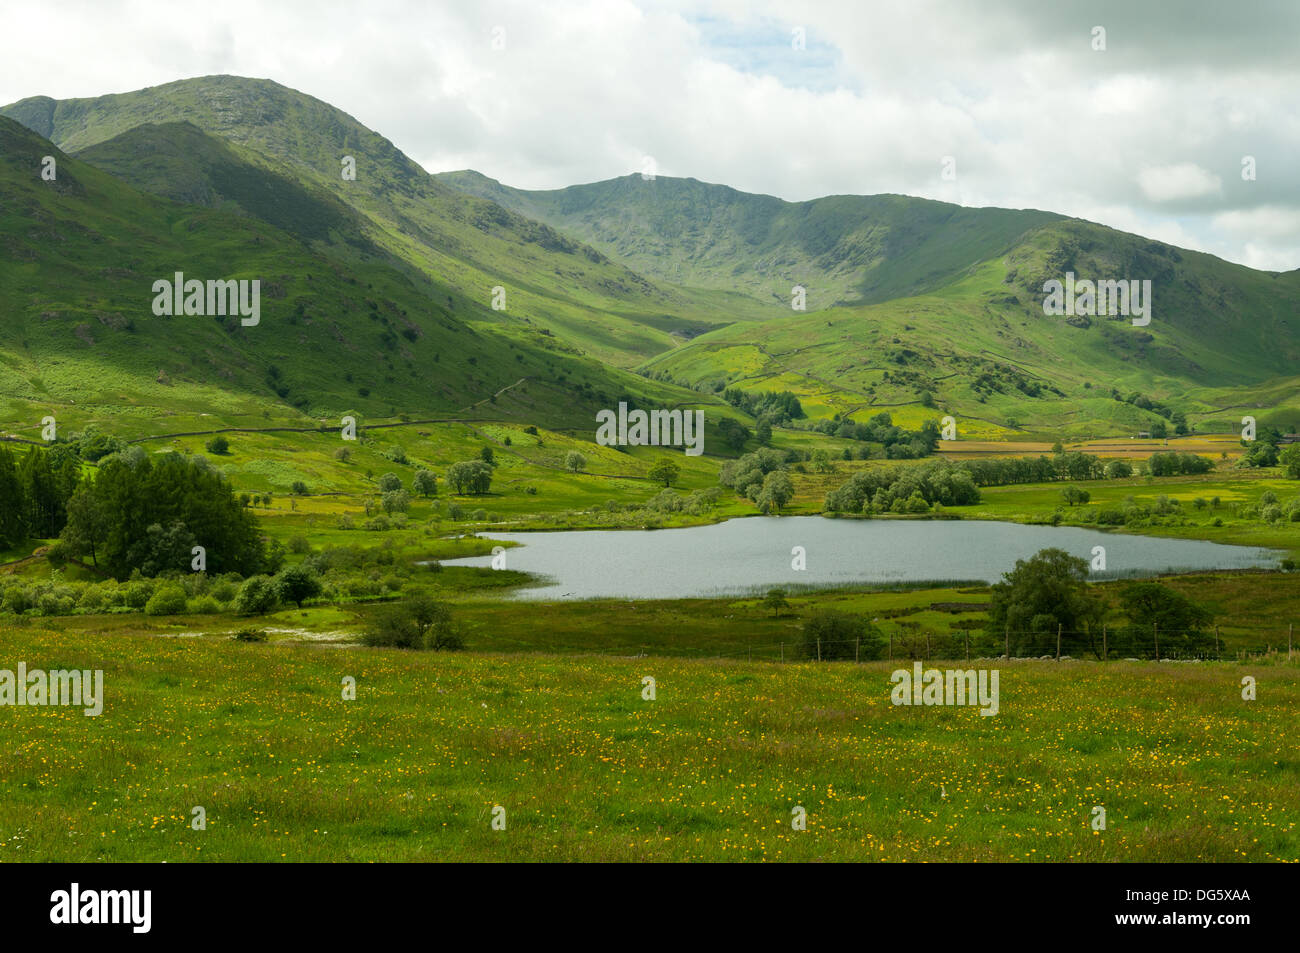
[(741, 556)]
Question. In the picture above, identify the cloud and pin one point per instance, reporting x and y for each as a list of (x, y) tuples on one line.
[(1152, 130), (1186, 180)]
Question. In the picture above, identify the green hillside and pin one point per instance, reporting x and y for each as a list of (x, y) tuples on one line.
[(842, 248), (983, 350), (916, 307), (79, 340), (551, 281), (180, 162)]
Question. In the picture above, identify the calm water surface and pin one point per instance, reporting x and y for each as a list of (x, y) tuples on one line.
[(747, 555)]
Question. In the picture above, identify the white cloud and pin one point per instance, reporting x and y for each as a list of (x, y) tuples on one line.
[(1186, 180), (1150, 132)]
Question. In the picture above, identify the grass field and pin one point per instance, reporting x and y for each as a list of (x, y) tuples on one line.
[(412, 769)]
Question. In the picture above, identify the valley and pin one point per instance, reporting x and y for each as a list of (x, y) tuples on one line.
[(210, 331)]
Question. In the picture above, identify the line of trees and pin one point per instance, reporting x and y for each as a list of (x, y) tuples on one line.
[(34, 492), (148, 513), (899, 444), (1047, 597), (913, 489)]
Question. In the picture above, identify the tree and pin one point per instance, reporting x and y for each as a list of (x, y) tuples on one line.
[(398, 501), (1041, 594), (13, 523), (1150, 603), (829, 635), (665, 472), (1118, 469), (764, 432), (162, 549), (390, 481), (575, 461), (257, 596), (733, 434), (297, 584), (417, 623), (486, 456), (218, 445), (470, 476), (88, 523), (777, 491), (425, 483), (776, 601), (1073, 495), (299, 488), (1290, 460)]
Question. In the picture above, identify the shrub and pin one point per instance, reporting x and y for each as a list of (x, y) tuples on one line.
[(419, 623), (837, 635), (218, 445), (257, 596), (138, 593), (297, 584), (249, 634), (168, 600)]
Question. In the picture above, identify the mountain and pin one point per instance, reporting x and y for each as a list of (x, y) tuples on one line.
[(843, 248), (551, 281), (914, 307), (181, 162), (1224, 341), (79, 339), (910, 300)]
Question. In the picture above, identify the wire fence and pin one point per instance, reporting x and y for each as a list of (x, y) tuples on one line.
[(1119, 644)]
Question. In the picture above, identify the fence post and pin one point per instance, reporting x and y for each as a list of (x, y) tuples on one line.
[(1059, 626), (857, 644), (1218, 649), (1104, 648), (927, 646), (891, 646), (1290, 631), (1008, 642), (819, 650), (782, 651), (1155, 630), (966, 634)]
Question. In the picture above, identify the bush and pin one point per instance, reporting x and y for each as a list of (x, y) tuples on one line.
[(839, 635), (218, 445), (168, 600), (250, 635), (138, 594), (419, 623), (297, 584), (204, 605), (257, 596)]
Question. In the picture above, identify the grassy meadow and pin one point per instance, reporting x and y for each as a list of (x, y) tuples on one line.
[(261, 738)]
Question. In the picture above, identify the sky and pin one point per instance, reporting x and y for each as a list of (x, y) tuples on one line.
[(1174, 120)]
